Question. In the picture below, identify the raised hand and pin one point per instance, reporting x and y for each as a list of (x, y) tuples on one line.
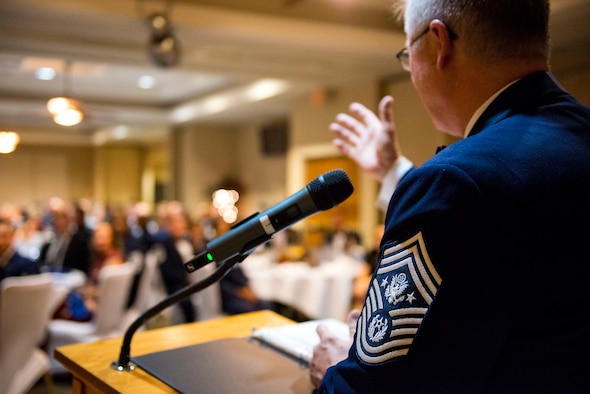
[(369, 140)]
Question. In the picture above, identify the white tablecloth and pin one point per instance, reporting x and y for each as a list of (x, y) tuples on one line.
[(320, 292)]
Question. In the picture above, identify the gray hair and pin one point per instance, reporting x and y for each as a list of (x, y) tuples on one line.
[(493, 30)]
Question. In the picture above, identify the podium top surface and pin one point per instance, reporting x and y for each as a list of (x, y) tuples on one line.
[(90, 363)]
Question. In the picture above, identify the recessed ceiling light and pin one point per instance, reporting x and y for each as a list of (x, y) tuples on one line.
[(45, 73), (146, 82), (121, 132)]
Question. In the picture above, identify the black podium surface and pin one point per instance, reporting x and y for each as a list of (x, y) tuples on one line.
[(235, 365)]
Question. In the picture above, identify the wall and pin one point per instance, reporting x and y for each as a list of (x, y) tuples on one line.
[(202, 157), (32, 174), (417, 135), (263, 175), (577, 82), (118, 174)]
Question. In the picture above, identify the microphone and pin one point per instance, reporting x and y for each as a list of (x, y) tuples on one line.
[(324, 192)]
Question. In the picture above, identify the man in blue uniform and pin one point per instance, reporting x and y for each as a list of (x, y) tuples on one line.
[(483, 274)]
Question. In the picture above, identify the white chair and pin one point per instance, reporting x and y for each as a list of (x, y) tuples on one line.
[(114, 285), (146, 265), (207, 302), (24, 315)]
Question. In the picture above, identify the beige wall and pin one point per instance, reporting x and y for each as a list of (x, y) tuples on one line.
[(117, 175), (33, 174), (577, 82), (417, 135), (202, 157)]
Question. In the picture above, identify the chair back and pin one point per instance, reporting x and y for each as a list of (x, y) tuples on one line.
[(150, 264), (114, 284), (24, 316), (143, 299)]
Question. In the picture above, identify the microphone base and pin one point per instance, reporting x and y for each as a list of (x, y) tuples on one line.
[(129, 366)]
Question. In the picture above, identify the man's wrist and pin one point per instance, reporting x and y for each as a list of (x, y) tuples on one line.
[(391, 179)]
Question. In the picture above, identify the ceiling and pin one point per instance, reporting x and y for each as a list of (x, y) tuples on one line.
[(230, 49)]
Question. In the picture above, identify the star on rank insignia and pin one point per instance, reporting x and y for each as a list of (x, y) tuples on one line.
[(399, 296)]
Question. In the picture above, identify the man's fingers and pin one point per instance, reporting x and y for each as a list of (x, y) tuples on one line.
[(344, 133), (352, 319), (386, 109), (351, 123), (323, 331), (362, 113)]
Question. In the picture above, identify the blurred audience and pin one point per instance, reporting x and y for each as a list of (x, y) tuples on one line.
[(68, 246), (361, 282), (81, 303), (341, 242), (88, 236), (11, 262), (174, 237), (138, 237), (29, 236)]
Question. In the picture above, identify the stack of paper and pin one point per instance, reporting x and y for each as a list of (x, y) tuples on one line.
[(299, 339)]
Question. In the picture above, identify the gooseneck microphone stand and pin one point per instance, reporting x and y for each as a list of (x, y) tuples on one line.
[(124, 362)]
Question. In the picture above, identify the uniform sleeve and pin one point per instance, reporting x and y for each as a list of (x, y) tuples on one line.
[(425, 291)]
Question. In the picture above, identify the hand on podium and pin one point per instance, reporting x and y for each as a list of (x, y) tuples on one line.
[(331, 349)]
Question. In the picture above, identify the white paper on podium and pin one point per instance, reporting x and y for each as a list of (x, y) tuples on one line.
[(299, 339)]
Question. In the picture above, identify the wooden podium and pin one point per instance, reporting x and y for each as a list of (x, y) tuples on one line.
[(90, 363)]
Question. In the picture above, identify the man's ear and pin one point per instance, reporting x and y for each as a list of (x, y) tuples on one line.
[(444, 42)]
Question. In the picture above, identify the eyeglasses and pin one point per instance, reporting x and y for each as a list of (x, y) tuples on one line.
[(403, 56)]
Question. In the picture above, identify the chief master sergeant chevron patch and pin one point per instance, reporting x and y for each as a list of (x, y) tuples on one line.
[(399, 296)]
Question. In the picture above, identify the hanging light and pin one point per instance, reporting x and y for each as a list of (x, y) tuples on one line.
[(65, 111), (69, 116), (8, 141)]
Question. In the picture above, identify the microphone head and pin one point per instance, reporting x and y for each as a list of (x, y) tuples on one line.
[(330, 189)]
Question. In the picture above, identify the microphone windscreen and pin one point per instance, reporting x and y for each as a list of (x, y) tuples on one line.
[(330, 189)]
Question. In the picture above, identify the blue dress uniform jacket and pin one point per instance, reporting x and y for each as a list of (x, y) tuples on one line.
[(483, 283)]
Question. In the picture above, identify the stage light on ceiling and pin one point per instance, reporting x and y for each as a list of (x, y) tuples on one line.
[(163, 46)]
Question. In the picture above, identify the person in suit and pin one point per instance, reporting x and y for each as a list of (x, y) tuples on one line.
[(175, 241), (69, 246), (481, 283), (11, 262)]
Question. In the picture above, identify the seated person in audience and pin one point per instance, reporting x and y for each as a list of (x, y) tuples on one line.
[(81, 303), (175, 240), (29, 237), (237, 296), (11, 262), (69, 244), (341, 242), (138, 238)]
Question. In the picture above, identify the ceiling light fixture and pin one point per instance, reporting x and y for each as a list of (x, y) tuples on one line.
[(163, 46), (65, 111), (8, 141)]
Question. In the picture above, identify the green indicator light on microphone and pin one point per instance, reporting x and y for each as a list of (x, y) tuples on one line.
[(209, 257)]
